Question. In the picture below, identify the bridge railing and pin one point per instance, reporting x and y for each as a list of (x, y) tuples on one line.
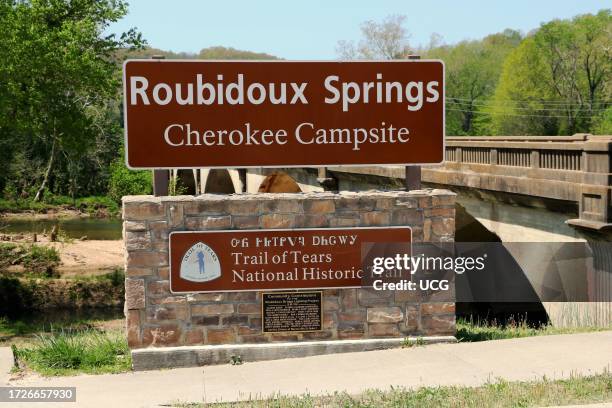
[(557, 153), (574, 168)]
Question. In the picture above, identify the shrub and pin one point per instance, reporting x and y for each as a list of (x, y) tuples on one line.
[(124, 181), (36, 259)]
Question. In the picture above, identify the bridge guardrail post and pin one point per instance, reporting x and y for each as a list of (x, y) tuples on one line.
[(595, 196), (535, 159)]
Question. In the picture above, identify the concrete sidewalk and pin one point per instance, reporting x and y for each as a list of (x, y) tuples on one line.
[(440, 364)]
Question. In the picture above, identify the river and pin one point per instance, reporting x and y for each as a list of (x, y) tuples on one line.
[(92, 228)]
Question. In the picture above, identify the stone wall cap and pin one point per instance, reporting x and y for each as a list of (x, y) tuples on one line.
[(177, 198), (141, 199), (324, 195)]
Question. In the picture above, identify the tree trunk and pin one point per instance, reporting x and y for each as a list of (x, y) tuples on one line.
[(47, 173), (466, 124)]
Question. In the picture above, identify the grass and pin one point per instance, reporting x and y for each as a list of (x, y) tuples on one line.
[(469, 331), (413, 342), (90, 205), (116, 277), (67, 352), (500, 394)]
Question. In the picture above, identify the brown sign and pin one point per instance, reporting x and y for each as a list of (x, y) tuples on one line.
[(248, 260), (282, 114), (291, 311)]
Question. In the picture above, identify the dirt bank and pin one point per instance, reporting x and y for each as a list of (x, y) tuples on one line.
[(20, 294), (92, 257), (78, 257)]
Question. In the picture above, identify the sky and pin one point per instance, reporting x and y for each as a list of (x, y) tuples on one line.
[(310, 30)]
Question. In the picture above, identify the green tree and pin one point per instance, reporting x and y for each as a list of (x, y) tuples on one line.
[(472, 72), (558, 80), (229, 53), (59, 74), (218, 53), (603, 123)]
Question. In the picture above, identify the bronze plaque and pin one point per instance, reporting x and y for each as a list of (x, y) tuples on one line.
[(291, 311), (191, 114), (277, 259)]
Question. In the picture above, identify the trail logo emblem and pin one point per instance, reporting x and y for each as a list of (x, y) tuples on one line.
[(200, 264)]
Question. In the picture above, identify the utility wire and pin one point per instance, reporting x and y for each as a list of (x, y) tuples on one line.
[(512, 114), (462, 104), (544, 102)]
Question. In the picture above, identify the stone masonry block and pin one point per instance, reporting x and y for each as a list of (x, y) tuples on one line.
[(167, 312), (438, 308), (158, 288), (245, 221), (270, 221), (132, 322), (146, 259), (134, 211), (406, 217), (282, 206), (214, 309), (163, 335), (210, 222), (194, 336), (135, 226), (134, 293), (371, 297), (392, 314), (247, 207), (158, 230), (319, 206), (375, 218), (220, 336), (137, 240), (217, 206), (311, 221)]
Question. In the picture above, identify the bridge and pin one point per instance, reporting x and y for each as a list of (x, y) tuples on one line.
[(562, 174), (510, 189)]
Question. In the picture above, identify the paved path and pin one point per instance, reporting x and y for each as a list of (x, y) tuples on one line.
[(6, 364), (441, 364)]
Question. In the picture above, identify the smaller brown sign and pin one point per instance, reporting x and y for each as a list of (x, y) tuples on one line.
[(242, 260), (291, 311)]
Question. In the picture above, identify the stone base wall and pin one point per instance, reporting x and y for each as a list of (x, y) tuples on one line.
[(156, 317)]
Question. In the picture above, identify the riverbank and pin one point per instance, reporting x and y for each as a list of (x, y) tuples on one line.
[(76, 257), (37, 274), (23, 294), (59, 207)]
